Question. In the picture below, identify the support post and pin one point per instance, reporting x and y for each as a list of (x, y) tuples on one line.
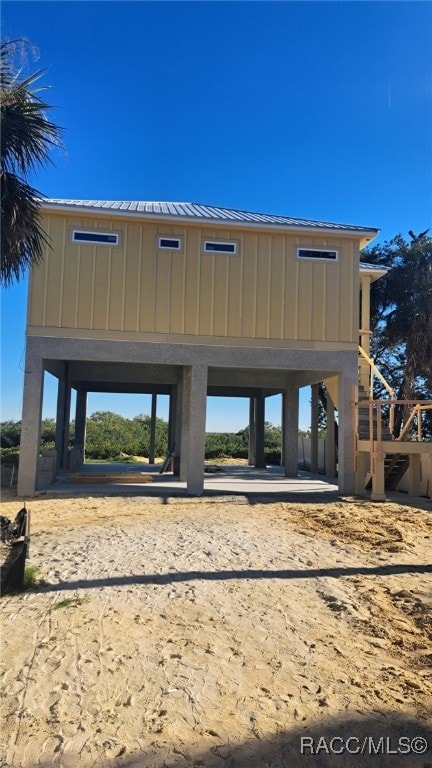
[(314, 429), (330, 459), (283, 427), (59, 433), (152, 429), (31, 423), (260, 461), (290, 432), (80, 423), (193, 428), (378, 481), (177, 425), (346, 428), (64, 459), (414, 474), (252, 441), (363, 461)]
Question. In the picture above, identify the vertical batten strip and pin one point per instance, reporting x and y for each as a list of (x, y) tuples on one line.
[(62, 274), (155, 279), (77, 287), (296, 293), (107, 311), (169, 308), (269, 284), (283, 288), (352, 303), (255, 293), (93, 286), (324, 304), (240, 308), (124, 246), (46, 263), (138, 304), (183, 312), (212, 292), (227, 282), (198, 300)]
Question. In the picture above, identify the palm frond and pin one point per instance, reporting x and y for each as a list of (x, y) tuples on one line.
[(26, 139), (23, 240)]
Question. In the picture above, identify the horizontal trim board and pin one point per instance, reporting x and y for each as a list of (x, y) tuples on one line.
[(210, 341)]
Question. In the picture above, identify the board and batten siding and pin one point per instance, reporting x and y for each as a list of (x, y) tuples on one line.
[(263, 292)]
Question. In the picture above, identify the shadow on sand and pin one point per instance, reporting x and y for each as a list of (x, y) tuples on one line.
[(388, 740), (179, 576)]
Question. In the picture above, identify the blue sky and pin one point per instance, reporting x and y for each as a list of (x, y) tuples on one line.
[(317, 110)]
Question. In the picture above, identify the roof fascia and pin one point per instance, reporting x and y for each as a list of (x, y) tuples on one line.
[(366, 235)]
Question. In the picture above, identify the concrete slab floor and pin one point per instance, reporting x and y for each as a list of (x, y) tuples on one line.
[(231, 479)]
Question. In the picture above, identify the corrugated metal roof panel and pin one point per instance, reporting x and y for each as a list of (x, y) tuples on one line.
[(202, 212)]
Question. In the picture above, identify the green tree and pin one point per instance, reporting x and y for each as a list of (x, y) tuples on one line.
[(26, 139), (401, 316), (10, 434)]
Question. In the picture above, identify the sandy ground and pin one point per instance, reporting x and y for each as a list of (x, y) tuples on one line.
[(212, 632)]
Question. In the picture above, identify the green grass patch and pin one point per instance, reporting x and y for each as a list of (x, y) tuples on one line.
[(70, 602), (32, 576)]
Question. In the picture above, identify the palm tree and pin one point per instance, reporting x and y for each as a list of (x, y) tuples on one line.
[(26, 139)]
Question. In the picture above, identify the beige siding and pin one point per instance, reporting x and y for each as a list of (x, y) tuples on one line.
[(262, 292)]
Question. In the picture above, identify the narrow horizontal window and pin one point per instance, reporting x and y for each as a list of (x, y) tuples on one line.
[(217, 246), (98, 238), (171, 243), (317, 253)]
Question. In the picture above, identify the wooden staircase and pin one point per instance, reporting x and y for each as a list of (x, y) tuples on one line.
[(364, 419), (395, 464)]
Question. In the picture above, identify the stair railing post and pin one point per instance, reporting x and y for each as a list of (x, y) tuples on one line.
[(379, 423)]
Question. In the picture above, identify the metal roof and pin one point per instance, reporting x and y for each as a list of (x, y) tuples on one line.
[(372, 267), (200, 212)]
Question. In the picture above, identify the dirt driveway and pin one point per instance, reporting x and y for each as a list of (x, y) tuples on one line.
[(211, 632)]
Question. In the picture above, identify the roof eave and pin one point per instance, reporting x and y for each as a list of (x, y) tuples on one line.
[(365, 235)]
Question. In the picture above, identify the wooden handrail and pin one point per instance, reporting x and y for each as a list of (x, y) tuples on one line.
[(375, 372), (416, 411), (418, 407)]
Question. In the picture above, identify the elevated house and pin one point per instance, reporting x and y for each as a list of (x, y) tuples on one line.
[(191, 300)]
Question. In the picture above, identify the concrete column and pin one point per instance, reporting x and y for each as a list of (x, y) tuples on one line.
[(330, 456), (61, 401), (80, 421), (171, 418), (378, 480), (314, 428), (414, 474), (31, 423), (361, 471), (260, 431), (283, 426), (346, 431), (193, 428), (252, 441), (65, 424), (152, 429), (290, 432), (176, 439)]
